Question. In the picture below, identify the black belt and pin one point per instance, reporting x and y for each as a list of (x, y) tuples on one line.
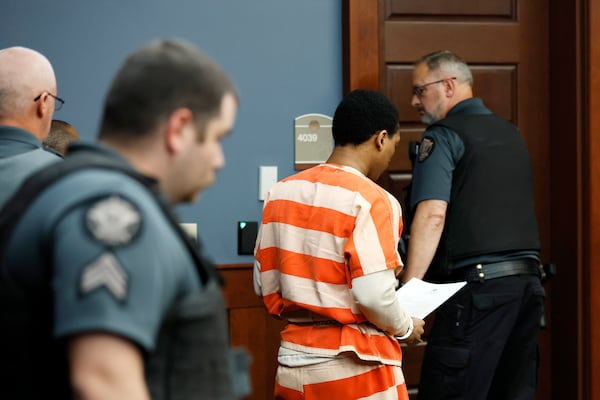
[(483, 272), (305, 317)]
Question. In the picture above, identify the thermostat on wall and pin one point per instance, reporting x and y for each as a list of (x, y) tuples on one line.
[(247, 231)]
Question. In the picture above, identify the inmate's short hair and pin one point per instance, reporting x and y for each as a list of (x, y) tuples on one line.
[(156, 80), (361, 114)]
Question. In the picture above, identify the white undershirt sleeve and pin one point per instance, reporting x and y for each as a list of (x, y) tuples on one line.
[(256, 279), (375, 296)]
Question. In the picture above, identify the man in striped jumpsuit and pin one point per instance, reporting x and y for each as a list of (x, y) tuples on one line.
[(326, 258)]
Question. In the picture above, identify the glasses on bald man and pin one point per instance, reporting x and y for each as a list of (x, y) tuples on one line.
[(58, 102)]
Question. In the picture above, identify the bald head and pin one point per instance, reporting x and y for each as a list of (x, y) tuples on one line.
[(24, 75)]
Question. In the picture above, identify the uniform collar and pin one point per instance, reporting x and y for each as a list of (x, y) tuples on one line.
[(473, 105), (15, 134), (15, 141), (108, 153)]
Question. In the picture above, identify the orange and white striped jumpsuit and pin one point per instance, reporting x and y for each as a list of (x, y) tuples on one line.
[(325, 230)]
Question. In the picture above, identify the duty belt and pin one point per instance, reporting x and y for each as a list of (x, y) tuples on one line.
[(483, 272)]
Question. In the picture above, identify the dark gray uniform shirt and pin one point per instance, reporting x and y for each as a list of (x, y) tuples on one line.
[(99, 251), (21, 153), (117, 263)]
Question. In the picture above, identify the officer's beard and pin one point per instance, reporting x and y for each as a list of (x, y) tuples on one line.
[(435, 115)]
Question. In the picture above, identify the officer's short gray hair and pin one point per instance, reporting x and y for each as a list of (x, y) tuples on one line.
[(448, 62)]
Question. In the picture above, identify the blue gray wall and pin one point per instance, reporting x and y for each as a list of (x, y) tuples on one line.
[(285, 56)]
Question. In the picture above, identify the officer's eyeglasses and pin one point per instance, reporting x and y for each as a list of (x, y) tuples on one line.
[(58, 102), (419, 90)]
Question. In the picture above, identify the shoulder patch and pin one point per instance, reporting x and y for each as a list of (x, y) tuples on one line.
[(107, 272), (425, 149), (113, 220)]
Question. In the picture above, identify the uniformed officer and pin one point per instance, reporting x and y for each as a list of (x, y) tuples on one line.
[(103, 295), (27, 103), (473, 200)]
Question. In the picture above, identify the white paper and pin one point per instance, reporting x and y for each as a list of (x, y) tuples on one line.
[(420, 298)]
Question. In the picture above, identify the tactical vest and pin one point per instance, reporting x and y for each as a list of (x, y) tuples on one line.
[(491, 208), (191, 360)]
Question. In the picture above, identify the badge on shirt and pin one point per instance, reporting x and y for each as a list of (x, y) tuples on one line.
[(105, 272), (425, 149), (113, 221)]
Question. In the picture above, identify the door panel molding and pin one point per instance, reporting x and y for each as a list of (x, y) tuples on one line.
[(490, 8)]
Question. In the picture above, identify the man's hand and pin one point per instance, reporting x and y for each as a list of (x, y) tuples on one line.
[(418, 329)]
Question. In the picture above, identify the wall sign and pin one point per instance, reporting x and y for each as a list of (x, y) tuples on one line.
[(313, 140)]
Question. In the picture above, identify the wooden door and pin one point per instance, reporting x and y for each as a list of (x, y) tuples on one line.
[(506, 44)]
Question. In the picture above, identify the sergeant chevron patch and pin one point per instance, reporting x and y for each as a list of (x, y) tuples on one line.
[(107, 272)]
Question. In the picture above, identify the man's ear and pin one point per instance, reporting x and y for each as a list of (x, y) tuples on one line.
[(449, 87), (380, 138), (176, 128), (42, 107)]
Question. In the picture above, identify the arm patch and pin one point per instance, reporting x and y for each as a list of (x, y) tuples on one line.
[(114, 221), (425, 149)]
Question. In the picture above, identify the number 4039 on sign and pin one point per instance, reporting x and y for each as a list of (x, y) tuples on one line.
[(313, 140)]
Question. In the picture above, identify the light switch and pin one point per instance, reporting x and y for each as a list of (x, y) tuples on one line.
[(191, 229), (267, 177)]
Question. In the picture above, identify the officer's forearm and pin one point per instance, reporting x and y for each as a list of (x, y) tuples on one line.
[(425, 233)]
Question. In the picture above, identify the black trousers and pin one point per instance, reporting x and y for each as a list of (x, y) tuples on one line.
[(483, 343)]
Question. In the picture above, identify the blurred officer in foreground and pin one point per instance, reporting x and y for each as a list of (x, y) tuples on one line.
[(27, 103), (103, 295)]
